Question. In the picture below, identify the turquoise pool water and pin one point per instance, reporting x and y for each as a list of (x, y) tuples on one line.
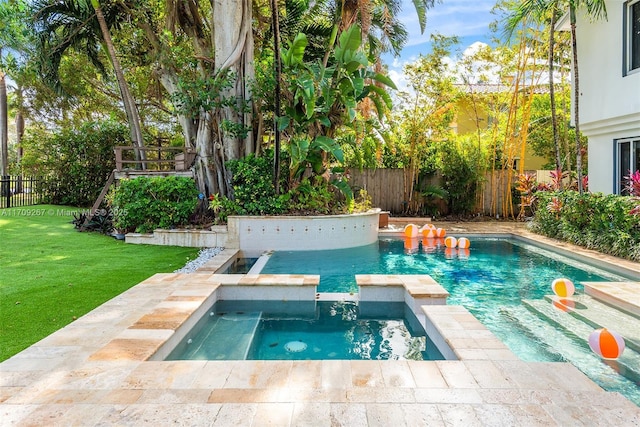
[(490, 279), (277, 330)]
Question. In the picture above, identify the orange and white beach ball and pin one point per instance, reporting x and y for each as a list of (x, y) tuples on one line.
[(606, 344), (563, 287), (464, 243), (441, 232), (411, 230), (450, 242), (428, 232)]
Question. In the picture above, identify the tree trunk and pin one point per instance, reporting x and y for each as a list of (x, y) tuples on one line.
[(131, 110), (233, 41), (201, 134), (19, 135), (552, 95), (576, 95), (4, 127), (278, 73)]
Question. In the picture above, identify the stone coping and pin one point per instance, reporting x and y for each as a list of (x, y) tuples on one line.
[(416, 285), (463, 336), (61, 381)]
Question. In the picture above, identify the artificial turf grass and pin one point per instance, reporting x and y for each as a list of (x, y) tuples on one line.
[(50, 274)]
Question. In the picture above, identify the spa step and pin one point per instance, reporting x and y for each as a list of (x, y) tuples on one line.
[(624, 295), (578, 333), (601, 315), (567, 337), (233, 334)]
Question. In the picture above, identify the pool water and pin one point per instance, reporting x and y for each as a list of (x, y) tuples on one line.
[(490, 279), (268, 330)]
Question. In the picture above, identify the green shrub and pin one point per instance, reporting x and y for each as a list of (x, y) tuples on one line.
[(74, 163), (313, 196), (460, 176), (254, 194), (592, 220), (144, 204), (253, 190)]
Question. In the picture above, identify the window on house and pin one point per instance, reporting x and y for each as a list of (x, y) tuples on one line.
[(632, 35), (628, 161)]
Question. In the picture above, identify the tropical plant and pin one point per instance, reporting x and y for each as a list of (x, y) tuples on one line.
[(526, 186), (319, 100), (605, 223), (432, 193)]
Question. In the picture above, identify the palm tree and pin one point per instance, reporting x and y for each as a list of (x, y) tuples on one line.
[(538, 8), (12, 40), (83, 26), (595, 9), (4, 127), (133, 116), (378, 21)]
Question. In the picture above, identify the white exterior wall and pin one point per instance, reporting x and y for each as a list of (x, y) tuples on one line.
[(609, 101)]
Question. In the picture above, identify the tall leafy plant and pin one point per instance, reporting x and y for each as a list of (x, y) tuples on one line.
[(320, 99)]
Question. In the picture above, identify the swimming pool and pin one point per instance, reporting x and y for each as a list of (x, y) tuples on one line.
[(307, 330), (491, 279)]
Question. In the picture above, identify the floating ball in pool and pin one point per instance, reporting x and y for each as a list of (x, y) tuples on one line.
[(464, 243), (563, 287), (295, 346), (450, 242), (606, 344), (441, 232), (411, 230), (428, 232)]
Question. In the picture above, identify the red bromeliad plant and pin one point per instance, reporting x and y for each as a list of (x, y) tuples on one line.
[(555, 205), (527, 185), (633, 183), (633, 187)]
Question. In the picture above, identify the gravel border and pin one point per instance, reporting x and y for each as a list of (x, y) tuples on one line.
[(203, 256)]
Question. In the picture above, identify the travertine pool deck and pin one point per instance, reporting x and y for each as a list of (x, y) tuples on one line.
[(94, 372)]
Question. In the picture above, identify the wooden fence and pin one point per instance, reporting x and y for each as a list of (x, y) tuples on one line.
[(386, 189), (384, 186), (19, 191)]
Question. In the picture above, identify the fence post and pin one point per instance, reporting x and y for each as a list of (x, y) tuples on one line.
[(5, 189)]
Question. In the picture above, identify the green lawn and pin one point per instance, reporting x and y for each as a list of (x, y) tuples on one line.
[(50, 274)]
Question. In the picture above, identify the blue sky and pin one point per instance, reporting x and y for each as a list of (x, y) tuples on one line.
[(467, 19)]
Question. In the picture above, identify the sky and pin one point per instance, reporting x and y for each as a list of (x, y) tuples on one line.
[(467, 19)]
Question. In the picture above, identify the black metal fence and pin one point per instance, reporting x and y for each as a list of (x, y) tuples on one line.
[(19, 191)]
